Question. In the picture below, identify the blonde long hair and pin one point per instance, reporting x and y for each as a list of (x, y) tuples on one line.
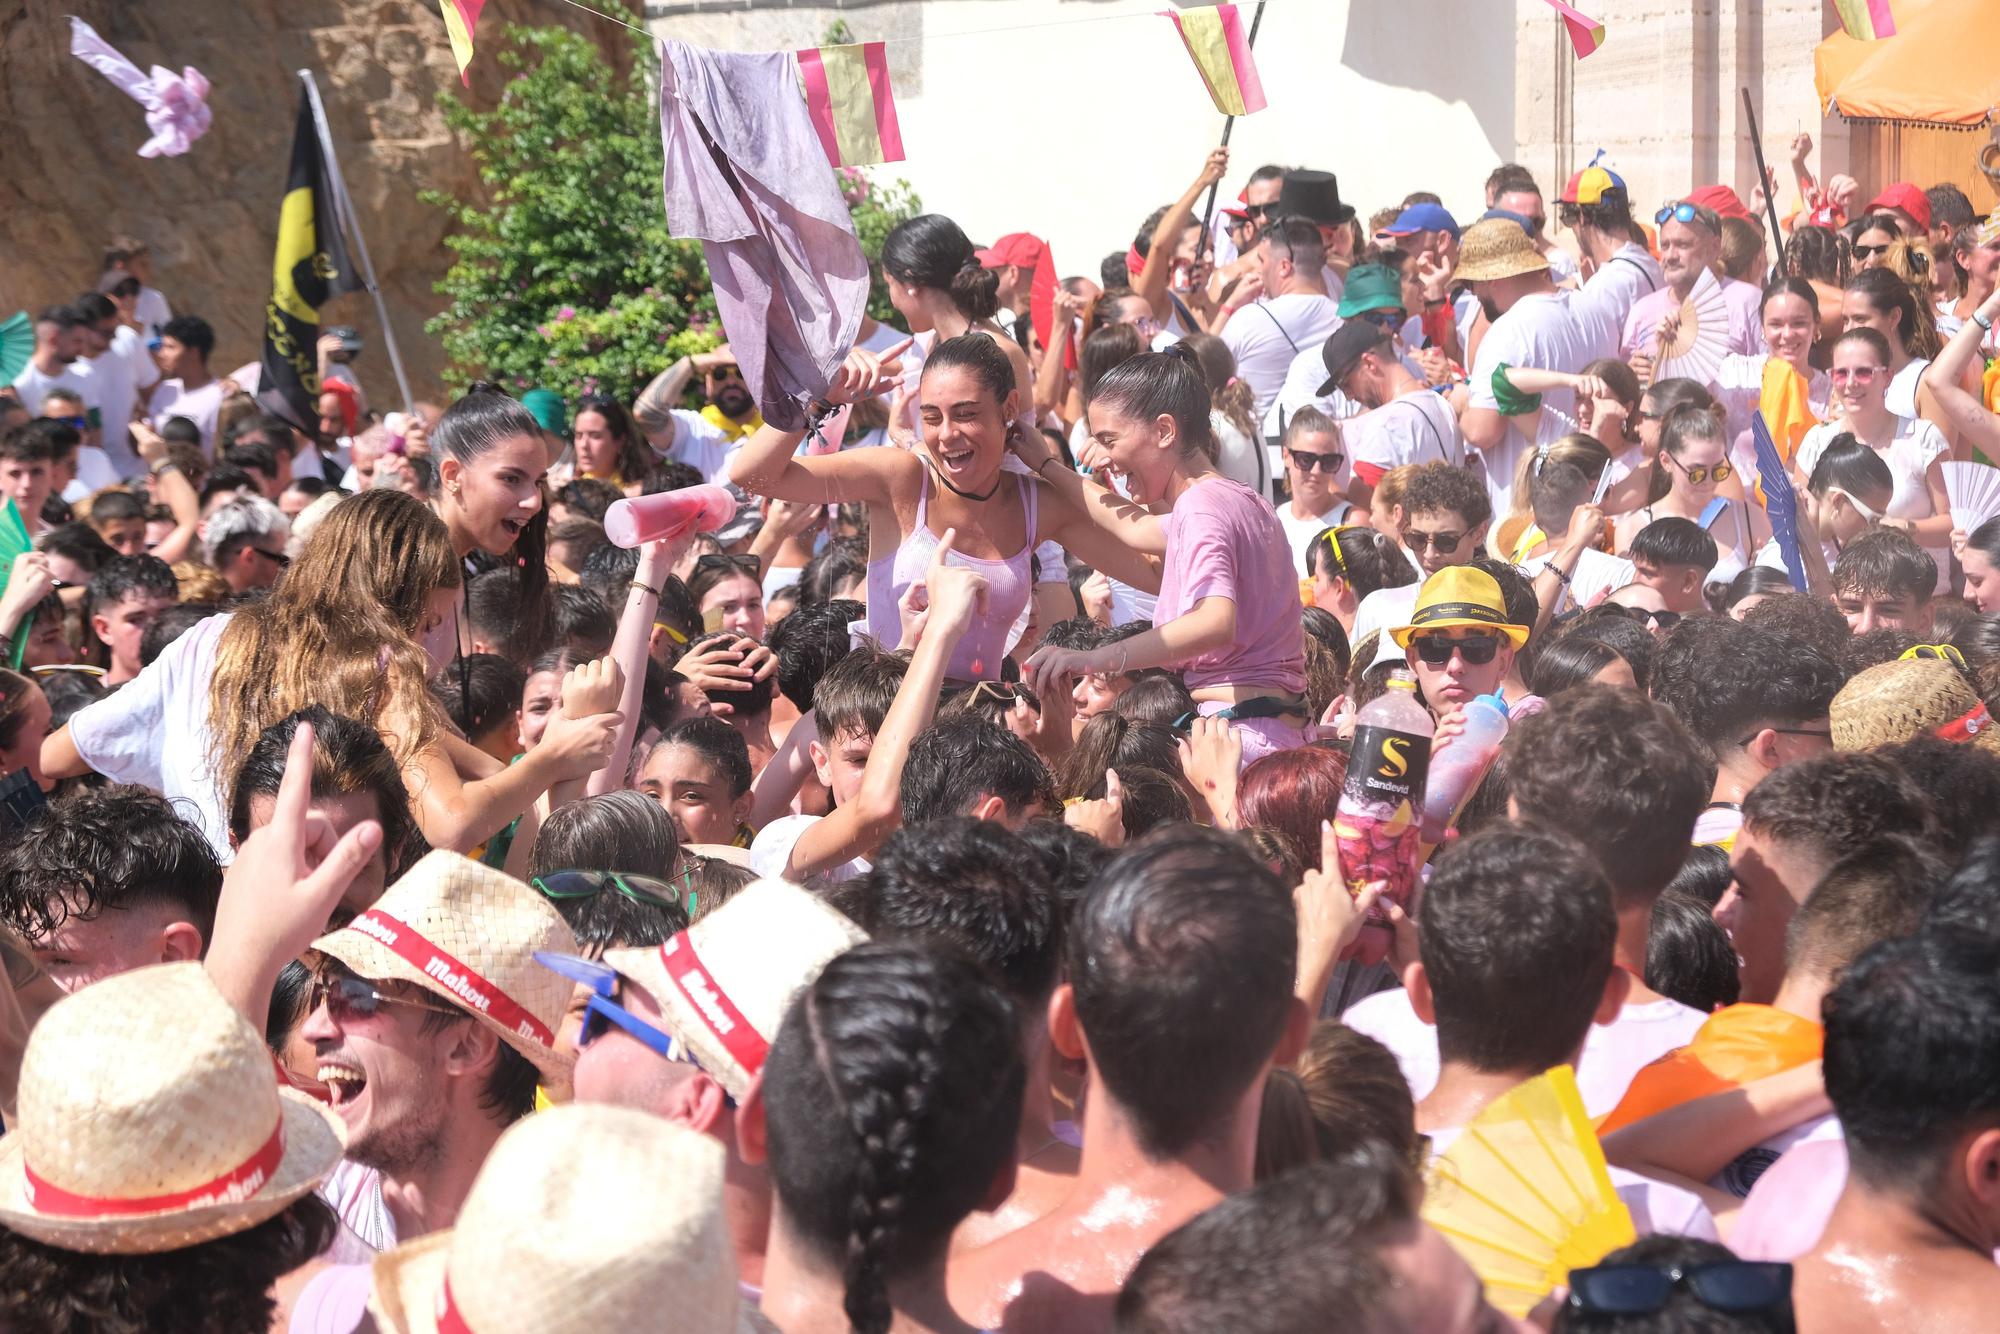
[(340, 630), (1586, 452)]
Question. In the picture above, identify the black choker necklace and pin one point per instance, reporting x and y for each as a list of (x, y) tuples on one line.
[(967, 495)]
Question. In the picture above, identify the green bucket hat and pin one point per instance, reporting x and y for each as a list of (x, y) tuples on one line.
[(546, 407), (1371, 287)]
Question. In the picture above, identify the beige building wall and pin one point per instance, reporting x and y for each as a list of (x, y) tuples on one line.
[(1661, 97), (1077, 132)]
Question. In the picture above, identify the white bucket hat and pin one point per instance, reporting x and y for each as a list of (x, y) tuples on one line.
[(584, 1218), (151, 1120), (469, 934), (723, 984)]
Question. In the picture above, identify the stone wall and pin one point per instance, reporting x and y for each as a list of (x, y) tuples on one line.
[(70, 175)]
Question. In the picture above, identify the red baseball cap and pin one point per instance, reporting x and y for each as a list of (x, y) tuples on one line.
[(1722, 199), (1902, 195), (1017, 248)]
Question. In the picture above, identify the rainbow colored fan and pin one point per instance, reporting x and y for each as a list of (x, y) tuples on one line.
[(1524, 1194)]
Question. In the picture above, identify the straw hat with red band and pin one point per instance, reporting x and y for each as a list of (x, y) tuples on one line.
[(591, 1219), (1892, 702), (723, 984), (469, 934), (151, 1120)]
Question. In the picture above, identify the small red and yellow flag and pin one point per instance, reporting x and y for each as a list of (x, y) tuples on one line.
[(851, 103), (460, 18), (1220, 49), (1866, 20), (1586, 34)]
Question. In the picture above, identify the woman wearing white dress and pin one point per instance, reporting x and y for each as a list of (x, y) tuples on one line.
[(1911, 446), (1790, 319)]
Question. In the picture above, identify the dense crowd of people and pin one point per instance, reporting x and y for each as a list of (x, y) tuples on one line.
[(930, 899)]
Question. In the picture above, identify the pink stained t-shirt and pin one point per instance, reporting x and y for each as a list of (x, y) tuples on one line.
[(1224, 540)]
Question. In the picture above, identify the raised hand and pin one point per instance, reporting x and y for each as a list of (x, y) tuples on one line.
[(1103, 818), (591, 688), (865, 374)]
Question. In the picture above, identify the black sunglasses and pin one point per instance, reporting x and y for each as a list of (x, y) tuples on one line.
[(278, 558), (1442, 543), (1436, 650), (1728, 1285), (1259, 210), (1660, 620), (1323, 462), (1869, 251)]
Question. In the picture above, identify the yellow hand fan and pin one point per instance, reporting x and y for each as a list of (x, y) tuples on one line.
[(1524, 1194)]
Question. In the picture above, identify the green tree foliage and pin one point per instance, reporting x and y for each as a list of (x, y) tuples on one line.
[(568, 278)]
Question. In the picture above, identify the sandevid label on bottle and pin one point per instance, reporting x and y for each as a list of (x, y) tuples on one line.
[(1387, 766)]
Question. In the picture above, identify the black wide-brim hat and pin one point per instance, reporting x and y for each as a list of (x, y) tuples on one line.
[(1314, 195)]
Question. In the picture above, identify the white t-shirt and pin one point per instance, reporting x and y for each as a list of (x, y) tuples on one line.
[(1602, 304), (1902, 396), (33, 386), (1612, 1053), (1563, 266), (93, 471), (1596, 573), (701, 444), (772, 849), (1417, 427), (121, 373), (1657, 1208), (1301, 532), (1537, 332), (1267, 336), (199, 406), (154, 731)]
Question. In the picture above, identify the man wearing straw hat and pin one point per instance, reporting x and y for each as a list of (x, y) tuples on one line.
[(681, 1029), (584, 1218), (158, 1178), (432, 1024)]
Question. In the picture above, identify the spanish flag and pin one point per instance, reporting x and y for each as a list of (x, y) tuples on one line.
[(311, 267), (1586, 34), (460, 18), (851, 103), (1217, 44), (1739, 1043), (1866, 20)]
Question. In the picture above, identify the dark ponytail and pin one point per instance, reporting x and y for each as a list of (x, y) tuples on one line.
[(892, 1097), (486, 415), (1163, 384), (930, 250)]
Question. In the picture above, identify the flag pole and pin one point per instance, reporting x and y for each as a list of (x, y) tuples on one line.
[(1228, 124), (1764, 176), (353, 224)]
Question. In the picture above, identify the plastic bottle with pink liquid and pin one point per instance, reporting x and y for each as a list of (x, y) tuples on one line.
[(1378, 818), (637, 520)]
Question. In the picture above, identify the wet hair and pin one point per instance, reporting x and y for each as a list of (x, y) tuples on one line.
[(1688, 955), (1175, 920), (635, 457), (1570, 661), (1526, 1007), (169, 625), (956, 761), (1163, 384), (1755, 581), (1558, 479), (1103, 349), (1304, 1250), (1356, 1093), (1916, 321), (1816, 254), (930, 250), (484, 693), (1113, 741), (1155, 699), (1682, 1312), (122, 576), (721, 745), (808, 643), (616, 831), (1704, 876), (1618, 628), (108, 849), (347, 757), (1808, 620), (191, 331), (468, 429), (840, 561), (978, 354), (583, 623), (854, 694), (1878, 893), (1621, 773), (492, 607), (1722, 678), (66, 693), (892, 1097), (1962, 784), (1671, 541), (1289, 793), (1913, 1056), (1786, 285), (1837, 804), (1885, 563), (1685, 425), (1298, 239), (1441, 488), (1367, 558), (588, 497), (30, 442), (753, 702), (219, 1285), (972, 885)]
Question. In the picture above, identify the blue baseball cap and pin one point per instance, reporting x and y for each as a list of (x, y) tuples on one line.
[(1525, 224), (1422, 218)]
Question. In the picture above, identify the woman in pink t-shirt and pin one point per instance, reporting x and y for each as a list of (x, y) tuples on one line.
[(1228, 615)]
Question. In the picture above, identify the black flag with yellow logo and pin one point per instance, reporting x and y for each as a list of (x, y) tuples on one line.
[(311, 267)]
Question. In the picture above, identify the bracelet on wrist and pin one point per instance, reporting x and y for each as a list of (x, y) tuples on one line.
[(643, 588), (1982, 321), (165, 465)]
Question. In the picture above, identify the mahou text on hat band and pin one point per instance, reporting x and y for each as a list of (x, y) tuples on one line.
[(726, 1021), (463, 982), (239, 1183)]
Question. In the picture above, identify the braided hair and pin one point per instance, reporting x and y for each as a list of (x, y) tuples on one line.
[(892, 1096)]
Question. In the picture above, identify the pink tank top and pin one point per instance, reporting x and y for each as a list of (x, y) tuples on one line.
[(1009, 583)]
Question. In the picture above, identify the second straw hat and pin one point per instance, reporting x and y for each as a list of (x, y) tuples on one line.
[(1892, 702), (583, 1220), (469, 934)]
